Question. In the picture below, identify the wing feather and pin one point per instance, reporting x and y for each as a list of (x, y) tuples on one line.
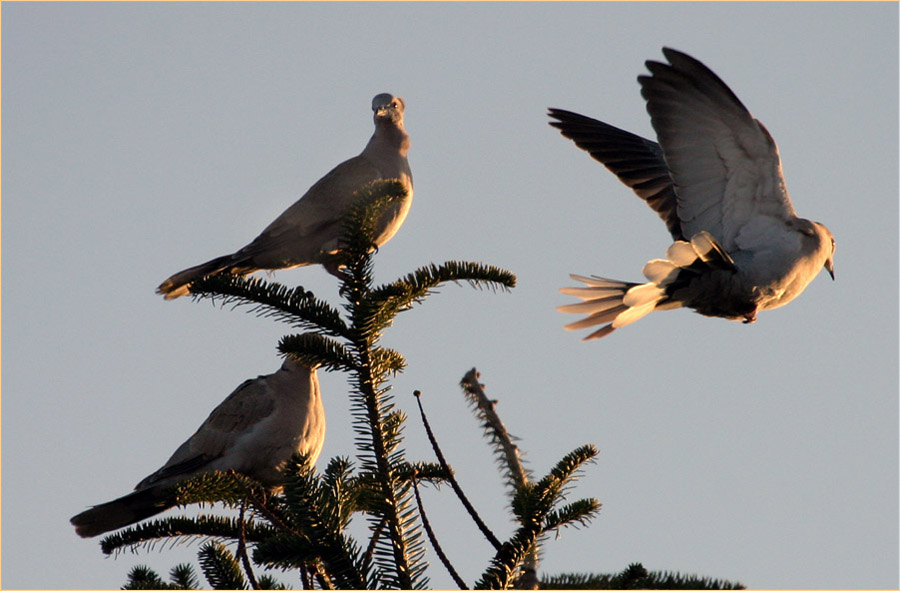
[(638, 162), (725, 165), (249, 404)]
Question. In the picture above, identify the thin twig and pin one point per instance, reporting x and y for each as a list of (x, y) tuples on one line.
[(305, 578), (460, 584), (242, 550), (324, 580), (453, 483), (370, 551), (261, 506)]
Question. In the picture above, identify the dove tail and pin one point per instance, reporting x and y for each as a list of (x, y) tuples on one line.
[(121, 512), (610, 302), (618, 303), (179, 284)]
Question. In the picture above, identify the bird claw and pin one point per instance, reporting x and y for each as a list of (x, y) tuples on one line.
[(337, 269), (750, 318)]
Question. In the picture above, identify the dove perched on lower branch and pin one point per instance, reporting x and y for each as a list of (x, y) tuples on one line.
[(254, 431), (715, 179), (309, 231)]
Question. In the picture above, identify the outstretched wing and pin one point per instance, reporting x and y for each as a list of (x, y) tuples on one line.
[(638, 162), (724, 163)]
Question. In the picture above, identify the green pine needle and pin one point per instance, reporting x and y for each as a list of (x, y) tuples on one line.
[(220, 567), (296, 306), (184, 577), (635, 577), (361, 223), (579, 512), (169, 529), (315, 350), (414, 287), (229, 488), (143, 577), (319, 512)]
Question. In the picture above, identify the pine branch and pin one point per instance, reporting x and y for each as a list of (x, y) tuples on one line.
[(426, 472), (507, 452), (509, 458), (398, 556), (296, 306), (339, 492), (367, 495), (533, 502), (533, 505), (635, 577), (229, 488), (314, 350), (269, 582), (184, 577), (388, 300), (579, 512), (388, 359), (362, 221), (477, 275), (220, 568), (143, 577), (318, 518), (504, 568), (150, 533), (551, 488), (181, 576)]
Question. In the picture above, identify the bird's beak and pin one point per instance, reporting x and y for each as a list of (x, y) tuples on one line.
[(829, 266), (383, 111)]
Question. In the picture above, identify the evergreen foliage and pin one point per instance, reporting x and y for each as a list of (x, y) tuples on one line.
[(635, 577), (303, 530)]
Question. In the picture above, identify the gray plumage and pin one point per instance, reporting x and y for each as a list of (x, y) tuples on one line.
[(254, 432), (715, 179), (310, 230)]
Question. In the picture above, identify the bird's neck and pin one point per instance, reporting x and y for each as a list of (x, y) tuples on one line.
[(388, 135)]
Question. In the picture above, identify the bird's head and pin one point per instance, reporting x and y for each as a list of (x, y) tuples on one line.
[(388, 107)]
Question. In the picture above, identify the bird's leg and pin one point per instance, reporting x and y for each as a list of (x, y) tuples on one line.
[(750, 318)]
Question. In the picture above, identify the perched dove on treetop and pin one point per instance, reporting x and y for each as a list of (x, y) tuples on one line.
[(715, 179), (254, 431), (309, 231)]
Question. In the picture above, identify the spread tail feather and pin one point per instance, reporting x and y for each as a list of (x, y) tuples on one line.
[(610, 302), (122, 512), (179, 284), (619, 303)]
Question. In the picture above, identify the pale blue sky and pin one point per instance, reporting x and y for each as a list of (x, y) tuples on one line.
[(139, 139)]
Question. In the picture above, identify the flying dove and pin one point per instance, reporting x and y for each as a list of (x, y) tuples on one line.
[(310, 230), (254, 432), (715, 179)]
